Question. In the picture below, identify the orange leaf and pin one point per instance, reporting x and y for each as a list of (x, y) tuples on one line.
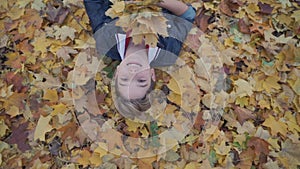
[(258, 27)]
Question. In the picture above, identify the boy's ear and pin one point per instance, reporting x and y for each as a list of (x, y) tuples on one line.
[(153, 77)]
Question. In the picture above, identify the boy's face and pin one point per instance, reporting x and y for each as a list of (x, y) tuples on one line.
[(134, 76)]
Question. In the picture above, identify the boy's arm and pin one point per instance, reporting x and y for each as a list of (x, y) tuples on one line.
[(176, 7)]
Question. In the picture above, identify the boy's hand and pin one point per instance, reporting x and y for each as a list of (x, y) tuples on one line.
[(175, 6)]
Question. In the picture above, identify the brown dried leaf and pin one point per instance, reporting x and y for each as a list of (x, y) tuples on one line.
[(225, 8), (243, 27), (246, 158), (19, 136), (260, 145), (56, 14), (243, 114), (202, 21), (199, 122), (265, 8)]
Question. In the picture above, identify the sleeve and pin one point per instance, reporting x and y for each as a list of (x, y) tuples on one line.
[(96, 12), (189, 14), (178, 29)]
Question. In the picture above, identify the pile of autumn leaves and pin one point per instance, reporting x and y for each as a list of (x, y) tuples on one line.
[(259, 127)]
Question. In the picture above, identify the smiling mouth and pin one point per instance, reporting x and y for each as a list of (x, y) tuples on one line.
[(134, 63)]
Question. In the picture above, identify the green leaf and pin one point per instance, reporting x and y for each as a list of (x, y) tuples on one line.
[(154, 141), (110, 69), (212, 158)]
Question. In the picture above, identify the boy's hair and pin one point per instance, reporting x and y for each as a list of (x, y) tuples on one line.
[(133, 107)]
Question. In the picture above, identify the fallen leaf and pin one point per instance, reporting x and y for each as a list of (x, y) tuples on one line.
[(243, 88), (84, 156), (51, 95), (290, 151), (265, 8), (173, 86), (224, 7), (222, 148), (246, 158), (276, 126), (260, 145), (243, 27), (65, 52), (42, 128), (3, 129), (202, 21), (15, 13), (56, 14), (199, 121), (64, 32), (171, 156), (243, 114), (193, 165)]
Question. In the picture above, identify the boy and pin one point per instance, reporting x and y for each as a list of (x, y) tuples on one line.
[(134, 77)]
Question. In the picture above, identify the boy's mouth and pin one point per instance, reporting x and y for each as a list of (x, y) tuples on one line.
[(134, 64)]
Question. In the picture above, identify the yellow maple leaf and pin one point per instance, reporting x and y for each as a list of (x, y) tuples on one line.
[(137, 39), (42, 128), (51, 95), (172, 85), (222, 149), (193, 165), (15, 13), (63, 32), (276, 126), (133, 126), (291, 122), (296, 15), (13, 111), (84, 158), (23, 3), (3, 128), (60, 108), (243, 88), (151, 40), (116, 9), (290, 152), (252, 8), (268, 83), (242, 101), (4, 4), (271, 82), (101, 149), (95, 159), (41, 43), (264, 104), (175, 98), (296, 86)]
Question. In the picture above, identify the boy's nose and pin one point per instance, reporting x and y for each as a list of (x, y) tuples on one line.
[(133, 68)]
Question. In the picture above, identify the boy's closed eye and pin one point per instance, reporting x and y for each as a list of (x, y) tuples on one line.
[(141, 80), (124, 79)]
